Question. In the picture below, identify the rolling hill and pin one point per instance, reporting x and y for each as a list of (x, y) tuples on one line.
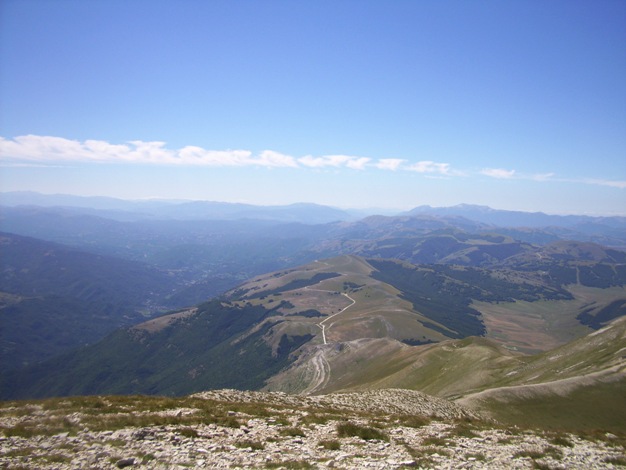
[(54, 298), (580, 384), (338, 324), (512, 321)]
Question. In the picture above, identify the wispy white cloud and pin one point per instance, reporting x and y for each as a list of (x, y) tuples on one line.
[(389, 163), (39, 148), (269, 158), (49, 151), (141, 152), (14, 164), (498, 173), (46, 149), (430, 167), (542, 176), (192, 155), (357, 163), (336, 161), (602, 182)]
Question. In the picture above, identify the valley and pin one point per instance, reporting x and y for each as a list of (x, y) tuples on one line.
[(533, 327), (335, 325), (521, 333), (290, 234)]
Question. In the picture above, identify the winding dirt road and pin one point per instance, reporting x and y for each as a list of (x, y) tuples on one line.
[(321, 324), (321, 372)]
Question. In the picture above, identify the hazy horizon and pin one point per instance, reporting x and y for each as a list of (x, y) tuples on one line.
[(371, 210), (355, 105)]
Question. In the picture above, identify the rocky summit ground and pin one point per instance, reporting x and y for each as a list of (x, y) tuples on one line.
[(384, 429)]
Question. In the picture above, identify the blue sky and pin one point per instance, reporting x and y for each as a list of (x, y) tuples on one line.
[(392, 104)]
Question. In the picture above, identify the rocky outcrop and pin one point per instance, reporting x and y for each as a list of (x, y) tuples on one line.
[(386, 401), (386, 429)]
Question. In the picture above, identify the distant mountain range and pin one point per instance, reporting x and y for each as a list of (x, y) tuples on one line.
[(108, 296), (124, 210), (536, 228), (348, 324), (193, 260), (301, 212), (503, 218)]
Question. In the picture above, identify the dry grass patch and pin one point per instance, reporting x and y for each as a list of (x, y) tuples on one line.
[(330, 444), (412, 421), (23, 452), (464, 430), (367, 433), (187, 432), (562, 441), (249, 444), (436, 441), (548, 451), (292, 431), (616, 460), (110, 413), (290, 464), (478, 456), (47, 426)]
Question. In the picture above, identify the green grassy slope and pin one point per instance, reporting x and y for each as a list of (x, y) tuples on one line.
[(582, 383), (578, 386), (448, 369), (341, 324), (54, 298), (203, 350), (601, 406)]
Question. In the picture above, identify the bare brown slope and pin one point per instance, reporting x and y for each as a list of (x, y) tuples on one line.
[(337, 300)]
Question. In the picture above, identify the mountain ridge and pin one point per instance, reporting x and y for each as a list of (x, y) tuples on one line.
[(442, 304), (125, 210), (152, 207), (316, 317), (513, 218)]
